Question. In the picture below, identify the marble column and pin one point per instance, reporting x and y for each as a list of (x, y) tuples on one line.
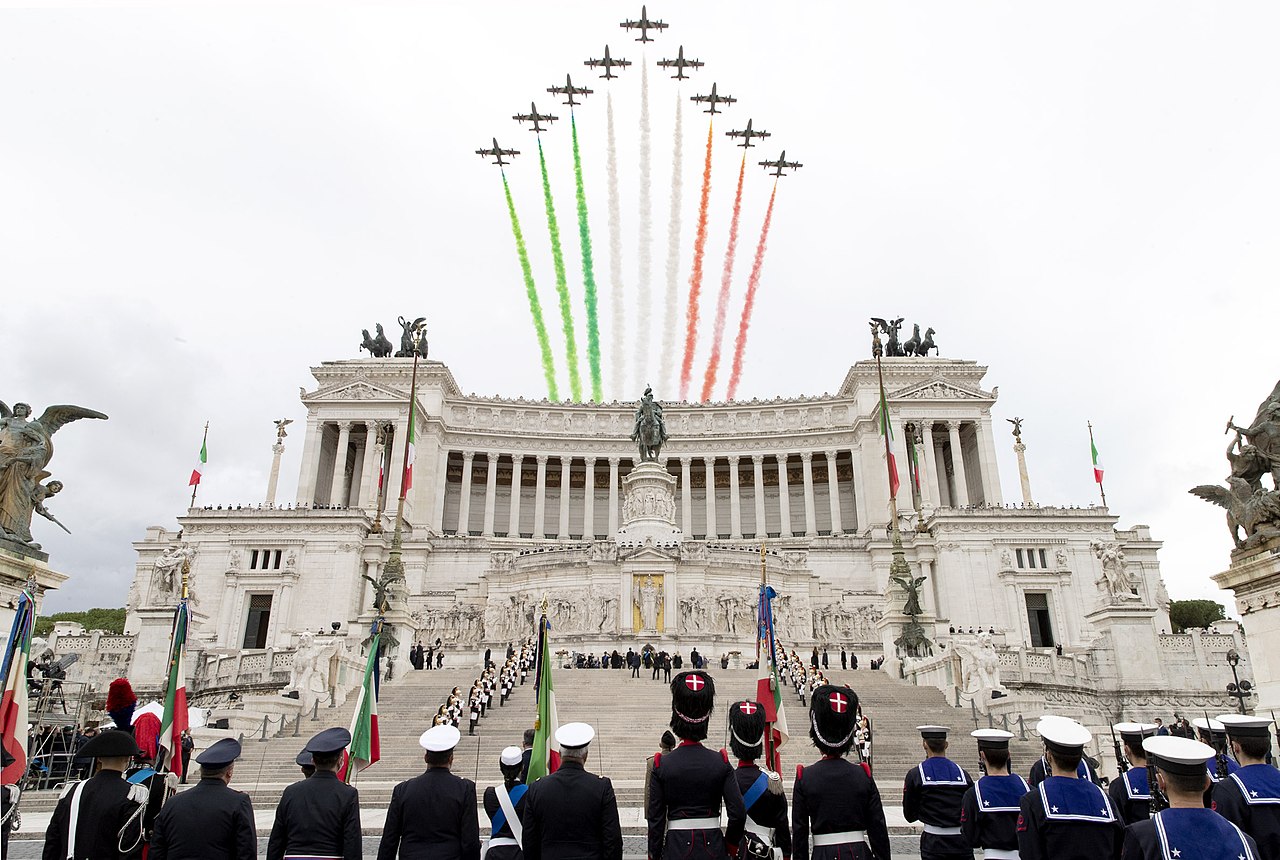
[(810, 514), (337, 494), (566, 464), (735, 503), (709, 466), (990, 468), (396, 469), (490, 493), (957, 464), (833, 492), (369, 470), (540, 500), (277, 451), (784, 496), (762, 527), (930, 488), (686, 497), (464, 497), (589, 501), (310, 463), (513, 522), (613, 499), (859, 489)]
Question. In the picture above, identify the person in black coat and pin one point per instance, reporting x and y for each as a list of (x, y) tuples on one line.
[(433, 816), (572, 814), (210, 821), (1258, 813), (989, 814), (1130, 793), (319, 815), (109, 808), (833, 798), (762, 796), (504, 837), (932, 793)]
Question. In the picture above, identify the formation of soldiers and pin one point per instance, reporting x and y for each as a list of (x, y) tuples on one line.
[(493, 682)]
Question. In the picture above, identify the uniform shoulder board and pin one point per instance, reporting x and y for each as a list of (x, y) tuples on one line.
[(774, 785), (67, 788), (657, 759), (724, 754), (799, 770)]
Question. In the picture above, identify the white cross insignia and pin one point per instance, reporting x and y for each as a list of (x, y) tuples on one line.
[(695, 683), (839, 703), (748, 707)]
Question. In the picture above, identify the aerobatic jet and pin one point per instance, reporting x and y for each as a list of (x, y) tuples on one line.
[(570, 90), (746, 134), (497, 152), (713, 100), (780, 164), (534, 117), (680, 64), (644, 25), (608, 63)]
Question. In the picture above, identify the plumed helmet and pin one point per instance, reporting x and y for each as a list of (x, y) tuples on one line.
[(746, 730), (693, 695), (120, 703), (833, 714)]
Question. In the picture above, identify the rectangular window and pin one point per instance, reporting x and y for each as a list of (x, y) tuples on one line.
[(1021, 562), (253, 560), (1044, 559), (1038, 619), (1031, 559), (257, 621)]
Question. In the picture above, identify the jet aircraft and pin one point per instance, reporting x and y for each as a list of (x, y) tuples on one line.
[(608, 63), (746, 134), (497, 152), (713, 100), (536, 118), (570, 90), (680, 64), (780, 164), (644, 25)]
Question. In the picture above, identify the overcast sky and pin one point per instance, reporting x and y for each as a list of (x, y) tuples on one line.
[(200, 201)]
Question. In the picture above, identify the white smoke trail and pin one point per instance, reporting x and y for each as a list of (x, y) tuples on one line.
[(667, 380), (644, 314), (617, 294)]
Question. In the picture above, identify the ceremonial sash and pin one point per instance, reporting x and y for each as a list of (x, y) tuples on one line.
[(507, 811), (756, 790)]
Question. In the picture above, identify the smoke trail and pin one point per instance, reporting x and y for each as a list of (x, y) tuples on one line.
[(695, 277), (646, 235), (535, 306), (752, 282), (617, 297), (588, 270), (562, 286), (726, 279), (673, 250)]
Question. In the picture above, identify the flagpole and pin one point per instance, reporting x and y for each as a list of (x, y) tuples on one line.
[(762, 634), (204, 440), (394, 568), (1094, 447)]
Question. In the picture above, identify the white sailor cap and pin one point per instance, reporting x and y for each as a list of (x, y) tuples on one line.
[(574, 735), (511, 756), (1178, 755), (1135, 731), (933, 733), (1063, 734), (992, 738), (1207, 725), (1241, 726), (439, 738)]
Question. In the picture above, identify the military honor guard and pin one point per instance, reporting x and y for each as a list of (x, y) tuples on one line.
[(989, 810), (100, 818), (1214, 734), (932, 793), (690, 783), (572, 814), (433, 816), (319, 817), (762, 795), (1131, 793), (834, 802), (504, 804), (1250, 797), (1040, 767), (1186, 830), (209, 821), (1067, 817)]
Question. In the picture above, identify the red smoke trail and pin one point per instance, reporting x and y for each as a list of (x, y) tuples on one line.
[(722, 306), (695, 278), (752, 282)]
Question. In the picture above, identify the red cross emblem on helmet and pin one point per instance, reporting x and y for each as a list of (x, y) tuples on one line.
[(748, 707), (839, 703), (695, 682)]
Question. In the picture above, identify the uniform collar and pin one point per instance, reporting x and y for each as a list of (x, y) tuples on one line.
[(571, 765), (684, 743), (748, 764)]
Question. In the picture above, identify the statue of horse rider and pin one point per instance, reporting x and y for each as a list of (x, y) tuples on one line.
[(651, 431)]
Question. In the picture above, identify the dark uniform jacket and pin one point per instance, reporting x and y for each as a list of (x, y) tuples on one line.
[(691, 781), (1131, 795), (933, 793), (105, 808), (491, 809), (320, 816), (432, 816), (1250, 799), (572, 815), (835, 795), (1040, 770), (770, 810), (209, 821), (1201, 834), (1064, 818), (989, 812)]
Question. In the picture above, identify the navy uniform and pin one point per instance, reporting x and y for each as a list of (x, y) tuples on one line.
[(318, 816), (506, 832), (108, 809), (1131, 793), (433, 815), (572, 814), (1185, 831), (689, 783), (1250, 797), (989, 810), (762, 797), (210, 821), (932, 793), (1065, 817), (1219, 765)]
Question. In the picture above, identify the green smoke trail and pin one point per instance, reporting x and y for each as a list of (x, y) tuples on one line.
[(562, 285), (535, 305), (588, 272)]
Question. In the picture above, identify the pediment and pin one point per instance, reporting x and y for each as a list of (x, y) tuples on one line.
[(357, 389), (938, 388), (648, 552)]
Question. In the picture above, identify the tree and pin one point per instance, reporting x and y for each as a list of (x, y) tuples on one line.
[(1189, 614), (108, 620)]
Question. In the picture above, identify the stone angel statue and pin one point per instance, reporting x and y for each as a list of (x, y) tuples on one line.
[(912, 588)]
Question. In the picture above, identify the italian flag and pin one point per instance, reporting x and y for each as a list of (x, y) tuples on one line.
[(198, 471), (174, 722), (886, 430), (1097, 461), (366, 748), (13, 703), (544, 758), (768, 684), (411, 451)]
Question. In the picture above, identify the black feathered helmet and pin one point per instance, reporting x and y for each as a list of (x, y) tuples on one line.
[(746, 730), (833, 718), (693, 695)]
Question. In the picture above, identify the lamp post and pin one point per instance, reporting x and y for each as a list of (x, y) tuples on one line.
[(1239, 690)]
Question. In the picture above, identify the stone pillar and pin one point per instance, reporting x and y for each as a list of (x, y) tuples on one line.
[(709, 465), (859, 491), (337, 496), (810, 515), (735, 503), (513, 522), (762, 527), (566, 464), (276, 451), (833, 491), (464, 498), (686, 497), (1021, 451), (395, 470), (613, 501), (990, 469), (957, 464), (369, 469), (784, 496), (929, 490), (310, 463), (540, 499), (490, 493), (589, 501)]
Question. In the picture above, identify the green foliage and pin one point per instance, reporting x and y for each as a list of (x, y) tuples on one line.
[(110, 620), (1189, 614)]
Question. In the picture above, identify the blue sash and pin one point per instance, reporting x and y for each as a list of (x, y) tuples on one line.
[(495, 824), (1199, 834), (1000, 793), (1259, 783), (1067, 799), (756, 790), (1135, 783), (942, 771)]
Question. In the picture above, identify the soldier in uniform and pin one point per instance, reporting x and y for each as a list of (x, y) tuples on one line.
[(319, 817), (107, 811), (210, 821), (1066, 817), (1131, 793), (932, 793), (689, 783), (572, 814), (433, 815), (1250, 797), (1219, 765), (1040, 768), (1186, 828), (762, 797), (306, 763), (504, 804), (989, 810), (833, 798)]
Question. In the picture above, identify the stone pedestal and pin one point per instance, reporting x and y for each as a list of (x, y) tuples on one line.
[(1254, 577), (649, 508), (403, 626), (1132, 631), (149, 668), (18, 563)]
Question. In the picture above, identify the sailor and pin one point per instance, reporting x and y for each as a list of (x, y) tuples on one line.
[(1186, 828), (689, 783), (319, 817), (306, 762), (433, 815), (989, 813), (834, 798), (210, 821), (572, 813), (1066, 816), (932, 793), (504, 804), (1131, 793), (100, 817), (1250, 797), (762, 796), (1214, 734), (1040, 768)]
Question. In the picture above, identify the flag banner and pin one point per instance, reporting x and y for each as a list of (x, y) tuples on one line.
[(886, 430), (201, 461), (174, 721), (366, 748), (13, 703), (913, 463), (768, 682), (411, 451), (1097, 461), (544, 758)]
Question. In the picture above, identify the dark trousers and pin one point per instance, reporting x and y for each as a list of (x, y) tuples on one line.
[(635, 670)]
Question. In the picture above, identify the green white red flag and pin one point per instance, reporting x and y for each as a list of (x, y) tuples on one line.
[(544, 758), (201, 461), (886, 430), (366, 748), (175, 719), (1097, 461), (768, 682), (13, 703), (411, 451)]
